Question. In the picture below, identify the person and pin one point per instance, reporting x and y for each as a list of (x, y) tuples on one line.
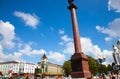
[(27, 77), (62, 77), (11, 78), (46, 77), (58, 77), (69, 77), (113, 75)]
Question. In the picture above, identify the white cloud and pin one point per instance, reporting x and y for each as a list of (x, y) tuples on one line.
[(61, 32), (108, 56), (19, 45), (1, 37), (94, 50), (6, 57), (86, 43), (27, 50), (7, 42), (30, 20), (114, 5), (8, 34), (56, 56), (61, 43), (113, 30), (90, 49), (65, 38), (69, 49), (14, 56), (108, 38), (1, 53)]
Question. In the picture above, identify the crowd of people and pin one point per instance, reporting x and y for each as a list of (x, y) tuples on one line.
[(108, 76)]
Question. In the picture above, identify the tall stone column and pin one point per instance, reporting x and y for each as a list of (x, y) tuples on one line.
[(79, 61)]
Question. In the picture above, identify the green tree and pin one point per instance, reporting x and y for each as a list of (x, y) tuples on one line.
[(96, 67), (102, 68), (38, 72), (93, 65), (109, 67), (67, 68)]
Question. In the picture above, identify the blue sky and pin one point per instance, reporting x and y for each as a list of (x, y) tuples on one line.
[(28, 28)]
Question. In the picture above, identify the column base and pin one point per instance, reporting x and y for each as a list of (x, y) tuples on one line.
[(81, 75), (80, 67)]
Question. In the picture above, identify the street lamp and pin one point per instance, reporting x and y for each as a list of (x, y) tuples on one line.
[(101, 59)]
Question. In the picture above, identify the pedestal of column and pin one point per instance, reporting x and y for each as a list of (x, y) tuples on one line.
[(80, 67)]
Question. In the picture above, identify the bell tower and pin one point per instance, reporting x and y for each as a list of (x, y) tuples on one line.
[(44, 61)]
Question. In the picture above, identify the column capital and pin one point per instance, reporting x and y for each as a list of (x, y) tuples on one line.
[(72, 5)]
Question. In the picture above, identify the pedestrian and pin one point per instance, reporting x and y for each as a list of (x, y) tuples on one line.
[(62, 77), (113, 75), (27, 77), (58, 77), (69, 77)]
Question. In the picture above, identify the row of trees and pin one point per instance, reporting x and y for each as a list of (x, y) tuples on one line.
[(94, 66)]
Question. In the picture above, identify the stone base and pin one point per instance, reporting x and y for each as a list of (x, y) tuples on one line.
[(81, 75), (80, 67)]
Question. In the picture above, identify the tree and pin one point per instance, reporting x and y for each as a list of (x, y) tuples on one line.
[(109, 67), (38, 72), (96, 67), (93, 65), (67, 68), (102, 68)]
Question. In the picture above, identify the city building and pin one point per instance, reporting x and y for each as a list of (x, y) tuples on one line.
[(17, 68), (49, 68)]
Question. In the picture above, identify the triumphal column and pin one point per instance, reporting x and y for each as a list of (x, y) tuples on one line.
[(79, 61)]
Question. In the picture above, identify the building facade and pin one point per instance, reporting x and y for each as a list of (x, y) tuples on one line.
[(17, 68), (49, 68), (54, 69)]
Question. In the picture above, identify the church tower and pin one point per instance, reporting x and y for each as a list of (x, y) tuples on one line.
[(44, 61)]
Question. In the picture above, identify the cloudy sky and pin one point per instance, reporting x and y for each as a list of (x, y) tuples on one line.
[(29, 28)]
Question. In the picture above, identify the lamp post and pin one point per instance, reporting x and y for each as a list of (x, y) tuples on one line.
[(101, 59)]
